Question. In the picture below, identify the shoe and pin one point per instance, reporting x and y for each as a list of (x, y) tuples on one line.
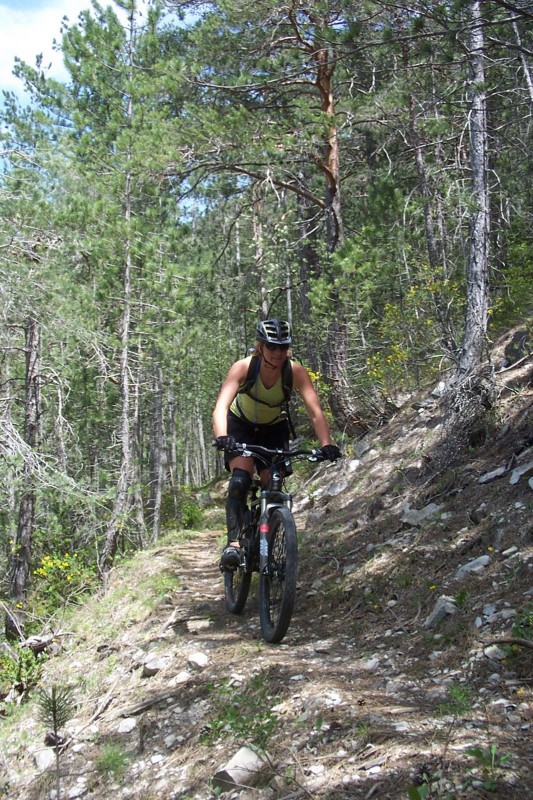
[(231, 558)]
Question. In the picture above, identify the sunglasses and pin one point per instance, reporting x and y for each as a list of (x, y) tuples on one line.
[(270, 346)]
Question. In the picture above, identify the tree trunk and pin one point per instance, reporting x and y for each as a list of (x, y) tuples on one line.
[(337, 339), (523, 61), (259, 249), (329, 164), (309, 269), (172, 439), (434, 245), (477, 278), (157, 456), (121, 504), (202, 452), (21, 552), (137, 459)]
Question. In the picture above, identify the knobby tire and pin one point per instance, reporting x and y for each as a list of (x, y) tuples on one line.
[(277, 586), (237, 583), (236, 588)]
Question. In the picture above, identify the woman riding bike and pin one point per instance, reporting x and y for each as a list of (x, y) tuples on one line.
[(252, 411)]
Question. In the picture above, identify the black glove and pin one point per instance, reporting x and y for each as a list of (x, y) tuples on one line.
[(225, 443), (330, 452)]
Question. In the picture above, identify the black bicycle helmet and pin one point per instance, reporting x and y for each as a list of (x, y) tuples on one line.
[(275, 331)]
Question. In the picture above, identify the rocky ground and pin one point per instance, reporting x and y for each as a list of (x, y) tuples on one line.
[(400, 677)]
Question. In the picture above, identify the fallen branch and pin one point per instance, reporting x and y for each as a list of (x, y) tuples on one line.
[(511, 640), (138, 708)]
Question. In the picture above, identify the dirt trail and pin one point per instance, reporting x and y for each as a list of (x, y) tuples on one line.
[(363, 698)]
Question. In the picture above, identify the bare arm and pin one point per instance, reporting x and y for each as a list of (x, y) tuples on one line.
[(302, 383), (235, 378)]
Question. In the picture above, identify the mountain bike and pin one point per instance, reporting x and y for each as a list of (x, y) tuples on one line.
[(268, 544)]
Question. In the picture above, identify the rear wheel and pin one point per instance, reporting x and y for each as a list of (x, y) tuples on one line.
[(277, 586), (237, 583), (236, 588)]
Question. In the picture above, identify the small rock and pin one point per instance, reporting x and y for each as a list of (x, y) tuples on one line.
[(477, 566), (324, 646), (371, 664), (44, 758), (495, 653), (519, 472), (335, 489), (197, 625), (443, 607), (414, 517), (198, 660), (78, 790), (439, 389), (490, 476), (127, 725), (436, 654), (394, 686), (479, 514), (361, 448), (181, 677), (152, 666), (507, 614)]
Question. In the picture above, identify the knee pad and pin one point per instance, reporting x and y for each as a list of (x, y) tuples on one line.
[(240, 482)]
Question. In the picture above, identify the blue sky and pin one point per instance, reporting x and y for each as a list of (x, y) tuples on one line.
[(29, 27)]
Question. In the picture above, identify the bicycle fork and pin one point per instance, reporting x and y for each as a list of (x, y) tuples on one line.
[(267, 507), (263, 534)]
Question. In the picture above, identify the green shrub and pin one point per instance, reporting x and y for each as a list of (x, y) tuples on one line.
[(523, 624), (60, 580), (244, 714), (112, 761), (20, 668), (179, 508), (191, 515)]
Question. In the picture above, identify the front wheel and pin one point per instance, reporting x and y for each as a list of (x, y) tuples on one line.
[(277, 584)]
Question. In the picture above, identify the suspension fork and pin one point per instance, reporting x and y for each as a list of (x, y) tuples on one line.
[(263, 532), (271, 498)]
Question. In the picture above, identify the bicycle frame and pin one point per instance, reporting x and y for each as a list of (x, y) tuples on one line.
[(268, 544)]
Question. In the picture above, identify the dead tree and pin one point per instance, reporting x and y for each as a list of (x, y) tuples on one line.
[(21, 551)]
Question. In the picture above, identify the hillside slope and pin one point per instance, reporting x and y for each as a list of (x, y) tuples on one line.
[(389, 672)]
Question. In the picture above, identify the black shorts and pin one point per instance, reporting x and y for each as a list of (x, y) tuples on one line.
[(276, 436)]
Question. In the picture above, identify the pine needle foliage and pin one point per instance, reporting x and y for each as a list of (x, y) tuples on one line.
[(56, 707)]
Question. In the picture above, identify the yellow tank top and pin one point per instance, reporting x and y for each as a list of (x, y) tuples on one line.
[(246, 406)]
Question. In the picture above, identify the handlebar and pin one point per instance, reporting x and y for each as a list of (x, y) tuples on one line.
[(259, 450)]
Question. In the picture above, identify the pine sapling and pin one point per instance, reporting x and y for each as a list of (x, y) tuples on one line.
[(56, 707)]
